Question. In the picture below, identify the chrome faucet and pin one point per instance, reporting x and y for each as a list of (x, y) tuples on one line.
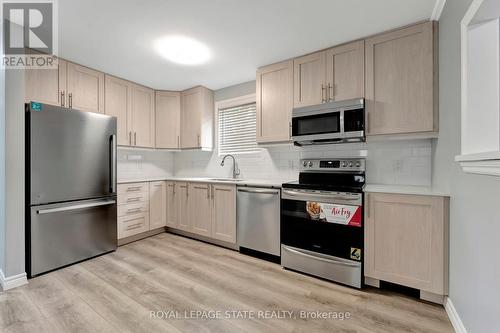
[(236, 171)]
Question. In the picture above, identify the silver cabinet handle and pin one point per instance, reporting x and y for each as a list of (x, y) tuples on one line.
[(112, 164), (134, 226), (130, 138), (330, 92), (75, 207), (213, 191), (70, 101), (134, 188), (135, 138), (134, 199), (62, 98), (199, 141), (134, 210), (323, 90), (209, 191), (261, 191), (178, 141), (289, 129)]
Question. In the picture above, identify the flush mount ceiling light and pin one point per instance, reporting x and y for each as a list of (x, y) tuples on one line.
[(182, 50)]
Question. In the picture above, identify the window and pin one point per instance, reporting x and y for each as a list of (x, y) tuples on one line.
[(237, 129)]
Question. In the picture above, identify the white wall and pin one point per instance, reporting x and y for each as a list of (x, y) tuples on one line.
[(474, 204)]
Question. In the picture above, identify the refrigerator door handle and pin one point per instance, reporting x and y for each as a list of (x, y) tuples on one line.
[(112, 164), (75, 207)]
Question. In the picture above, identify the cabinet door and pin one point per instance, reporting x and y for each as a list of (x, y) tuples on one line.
[(168, 122), (274, 102), (345, 71), (191, 117), (157, 204), (117, 103), (406, 240), (47, 85), (400, 81), (224, 212), (142, 116), (172, 205), (309, 80), (85, 88), (199, 209), (181, 203)]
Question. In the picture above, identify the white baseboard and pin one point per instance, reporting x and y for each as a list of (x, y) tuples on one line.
[(14, 281), (454, 317)]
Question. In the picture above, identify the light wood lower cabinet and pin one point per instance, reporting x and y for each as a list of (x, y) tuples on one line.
[(204, 209), (133, 209), (224, 212), (172, 206), (406, 240), (157, 204)]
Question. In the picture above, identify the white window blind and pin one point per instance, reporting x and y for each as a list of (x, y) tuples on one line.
[(237, 129)]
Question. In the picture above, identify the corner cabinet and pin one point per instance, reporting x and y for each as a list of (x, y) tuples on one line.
[(274, 97), (197, 115), (406, 240), (168, 119), (401, 81)]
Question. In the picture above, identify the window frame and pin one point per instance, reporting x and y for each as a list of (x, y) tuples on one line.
[(230, 103), (487, 162)]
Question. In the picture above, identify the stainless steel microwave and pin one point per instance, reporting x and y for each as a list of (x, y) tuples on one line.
[(333, 122)]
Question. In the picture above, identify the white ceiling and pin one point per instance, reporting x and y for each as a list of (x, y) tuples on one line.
[(117, 36)]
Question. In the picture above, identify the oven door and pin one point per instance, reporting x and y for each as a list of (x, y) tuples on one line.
[(317, 125), (329, 223)]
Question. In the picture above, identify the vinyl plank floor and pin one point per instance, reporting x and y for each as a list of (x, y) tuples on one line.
[(169, 283)]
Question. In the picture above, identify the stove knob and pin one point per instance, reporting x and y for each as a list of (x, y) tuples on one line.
[(350, 164), (310, 164), (358, 164), (344, 164), (304, 163)]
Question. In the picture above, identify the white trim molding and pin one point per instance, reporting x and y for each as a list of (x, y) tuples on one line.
[(452, 313), (11, 282), (438, 10), (480, 163)]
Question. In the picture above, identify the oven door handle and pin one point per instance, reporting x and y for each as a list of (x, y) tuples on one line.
[(318, 195), (317, 257)]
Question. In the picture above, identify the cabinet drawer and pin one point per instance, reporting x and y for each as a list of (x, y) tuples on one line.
[(132, 225), (133, 188), (130, 198), (133, 209)]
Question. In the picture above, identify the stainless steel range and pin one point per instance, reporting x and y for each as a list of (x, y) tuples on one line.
[(322, 220)]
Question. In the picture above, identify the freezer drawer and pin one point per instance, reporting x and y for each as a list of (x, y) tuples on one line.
[(258, 219), (65, 233)]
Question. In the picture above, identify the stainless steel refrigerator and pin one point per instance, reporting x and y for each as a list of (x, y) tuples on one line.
[(70, 186)]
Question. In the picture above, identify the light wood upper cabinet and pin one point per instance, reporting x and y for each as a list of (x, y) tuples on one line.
[(199, 209), (117, 100), (168, 121), (182, 205), (47, 86), (172, 205), (197, 114), (85, 88), (157, 204), (345, 71), (274, 97), (224, 212), (401, 85), (309, 83), (142, 116), (406, 240)]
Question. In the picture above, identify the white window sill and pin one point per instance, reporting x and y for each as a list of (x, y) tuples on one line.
[(481, 163)]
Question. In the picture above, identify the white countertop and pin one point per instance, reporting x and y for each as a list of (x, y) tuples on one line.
[(247, 182), (404, 189)]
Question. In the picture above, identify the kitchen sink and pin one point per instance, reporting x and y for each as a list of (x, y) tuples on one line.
[(226, 179)]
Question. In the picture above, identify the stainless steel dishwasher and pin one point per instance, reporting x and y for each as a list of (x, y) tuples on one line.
[(258, 219)]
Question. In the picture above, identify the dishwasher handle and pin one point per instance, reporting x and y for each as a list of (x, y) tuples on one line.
[(258, 190)]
